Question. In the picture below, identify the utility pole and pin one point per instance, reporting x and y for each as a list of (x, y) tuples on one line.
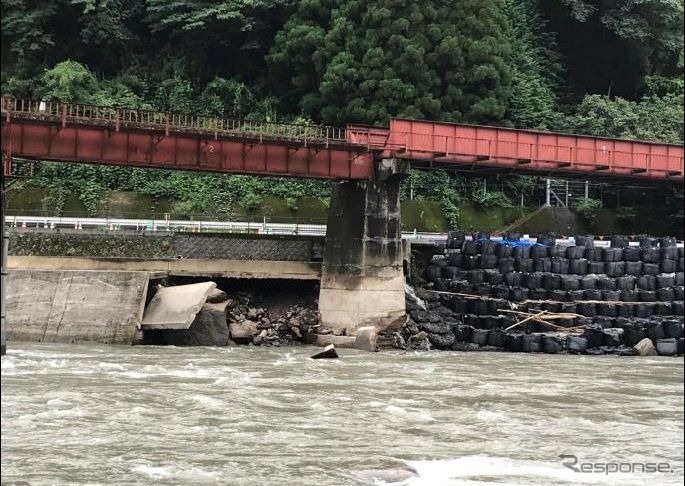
[(5, 244), (548, 193)]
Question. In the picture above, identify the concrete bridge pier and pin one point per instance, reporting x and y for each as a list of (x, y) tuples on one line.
[(362, 278)]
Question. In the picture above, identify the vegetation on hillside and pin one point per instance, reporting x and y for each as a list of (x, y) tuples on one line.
[(603, 67)]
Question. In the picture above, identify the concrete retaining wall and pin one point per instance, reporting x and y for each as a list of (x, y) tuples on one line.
[(74, 306), (160, 246)]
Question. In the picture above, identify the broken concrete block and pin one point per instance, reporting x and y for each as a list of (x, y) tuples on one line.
[(339, 341), (328, 352), (208, 329), (645, 347), (242, 332), (667, 347), (176, 307), (217, 296), (366, 339)]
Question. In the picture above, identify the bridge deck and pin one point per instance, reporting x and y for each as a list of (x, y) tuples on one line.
[(43, 130)]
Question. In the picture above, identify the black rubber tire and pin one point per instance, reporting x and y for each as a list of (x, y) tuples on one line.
[(578, 267), (589, 282), (596, 268)]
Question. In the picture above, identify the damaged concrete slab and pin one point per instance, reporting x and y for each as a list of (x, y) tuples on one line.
[(176, 307)]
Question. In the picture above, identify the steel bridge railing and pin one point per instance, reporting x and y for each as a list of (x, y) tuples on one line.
[(125, 117)]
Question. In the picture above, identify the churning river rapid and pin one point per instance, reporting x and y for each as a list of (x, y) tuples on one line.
[(114, 415)]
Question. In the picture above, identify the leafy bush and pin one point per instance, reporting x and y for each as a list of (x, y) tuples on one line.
[(588, 209)]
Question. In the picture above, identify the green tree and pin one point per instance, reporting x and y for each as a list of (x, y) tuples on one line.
[(368, 60)]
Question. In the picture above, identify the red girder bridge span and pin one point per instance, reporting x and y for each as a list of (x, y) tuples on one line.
[(68, 132)]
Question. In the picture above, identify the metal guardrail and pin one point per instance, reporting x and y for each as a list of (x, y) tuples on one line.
[(122, 117)]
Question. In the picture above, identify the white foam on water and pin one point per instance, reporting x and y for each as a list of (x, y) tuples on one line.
[(192, 475), (409, 414), (490, 416), (500, 471)]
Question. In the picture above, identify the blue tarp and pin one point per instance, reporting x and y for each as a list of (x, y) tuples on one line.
[(515, 243)]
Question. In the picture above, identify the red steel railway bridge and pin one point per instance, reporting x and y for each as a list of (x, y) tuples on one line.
[(67, 132)]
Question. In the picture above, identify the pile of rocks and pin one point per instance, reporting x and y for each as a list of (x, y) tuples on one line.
[(249, 324)]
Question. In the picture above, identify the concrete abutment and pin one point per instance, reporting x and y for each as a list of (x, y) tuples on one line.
[(362, 277)]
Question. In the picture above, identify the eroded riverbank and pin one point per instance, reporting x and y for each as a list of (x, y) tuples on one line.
[(92, 414)]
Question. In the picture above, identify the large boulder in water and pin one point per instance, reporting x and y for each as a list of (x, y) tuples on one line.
[(209, 328), (242, 332)]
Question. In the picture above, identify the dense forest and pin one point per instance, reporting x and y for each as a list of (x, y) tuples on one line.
[(601, 67)]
